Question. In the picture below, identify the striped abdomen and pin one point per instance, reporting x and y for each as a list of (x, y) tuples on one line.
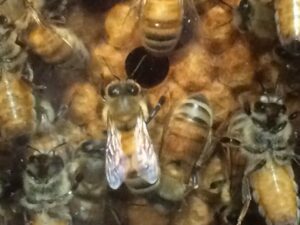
[(185, 138), (56, 45), (189, 128), (17, 115), (288, 24), (275, 192), (161, 25)]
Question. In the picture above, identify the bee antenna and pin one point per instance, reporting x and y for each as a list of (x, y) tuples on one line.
[(34, 149), (137, 66), (110, 68), (56, 147), (262, 86), (226, 4)]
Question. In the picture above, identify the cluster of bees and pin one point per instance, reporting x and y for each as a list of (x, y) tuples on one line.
[(68, 143)]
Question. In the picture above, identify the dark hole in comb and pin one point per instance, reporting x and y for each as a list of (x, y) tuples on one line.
[(147, 70)]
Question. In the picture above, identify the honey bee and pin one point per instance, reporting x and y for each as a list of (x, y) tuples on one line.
[(88, 204), (17, 114), (47, 177), (130, 155), (162, 23), (263, 133), (54, 44), (288, 24), (257, 18), (46, 183), (185, 139)]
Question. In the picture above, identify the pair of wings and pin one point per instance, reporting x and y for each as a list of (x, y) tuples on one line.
[(116, 160)]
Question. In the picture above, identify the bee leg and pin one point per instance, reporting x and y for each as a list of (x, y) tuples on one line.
[(28, 78), (62, 111), (57, 19), (116, 216), (246, 192), (26, 219), (246, 198), (156, 109)]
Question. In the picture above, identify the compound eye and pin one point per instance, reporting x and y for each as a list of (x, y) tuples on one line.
[(31, 159), (3, 20), (113, 91), (260, 107), (133, 89), (245, 7), (283, 109)]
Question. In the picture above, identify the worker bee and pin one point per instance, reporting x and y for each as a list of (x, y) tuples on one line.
[(47, 185), (88, 203), (263, 133), (130, 155), (185, 139), (17, 102), (47, 177), (257, 18), (162, 24), (288, 24), (54, 44)]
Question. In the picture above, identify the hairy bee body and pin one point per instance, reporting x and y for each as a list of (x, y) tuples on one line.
[(55, 44), (185, 139), (89, 201), (267, 143), (17, 115), (130, 156), (288, 24), (47, 184), (276, 192), (161, 25)]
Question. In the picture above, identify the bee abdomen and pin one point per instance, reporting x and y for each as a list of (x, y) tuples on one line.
[(17, 115), (288, 24), (195, 109), (161, 25), (57, 45), (138, 186), (276, 194)]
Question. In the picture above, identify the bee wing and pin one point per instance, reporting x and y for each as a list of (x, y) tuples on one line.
[(115, 160), (148, 167)]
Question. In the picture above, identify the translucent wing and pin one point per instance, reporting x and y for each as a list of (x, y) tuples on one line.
[(147, 163), (115, 162)]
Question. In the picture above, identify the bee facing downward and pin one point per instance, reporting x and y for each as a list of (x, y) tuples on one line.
[(130, 153), (265, 138)]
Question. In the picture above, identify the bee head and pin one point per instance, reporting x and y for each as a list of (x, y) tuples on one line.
[(122, 88), (269, 112), (42, 167)]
